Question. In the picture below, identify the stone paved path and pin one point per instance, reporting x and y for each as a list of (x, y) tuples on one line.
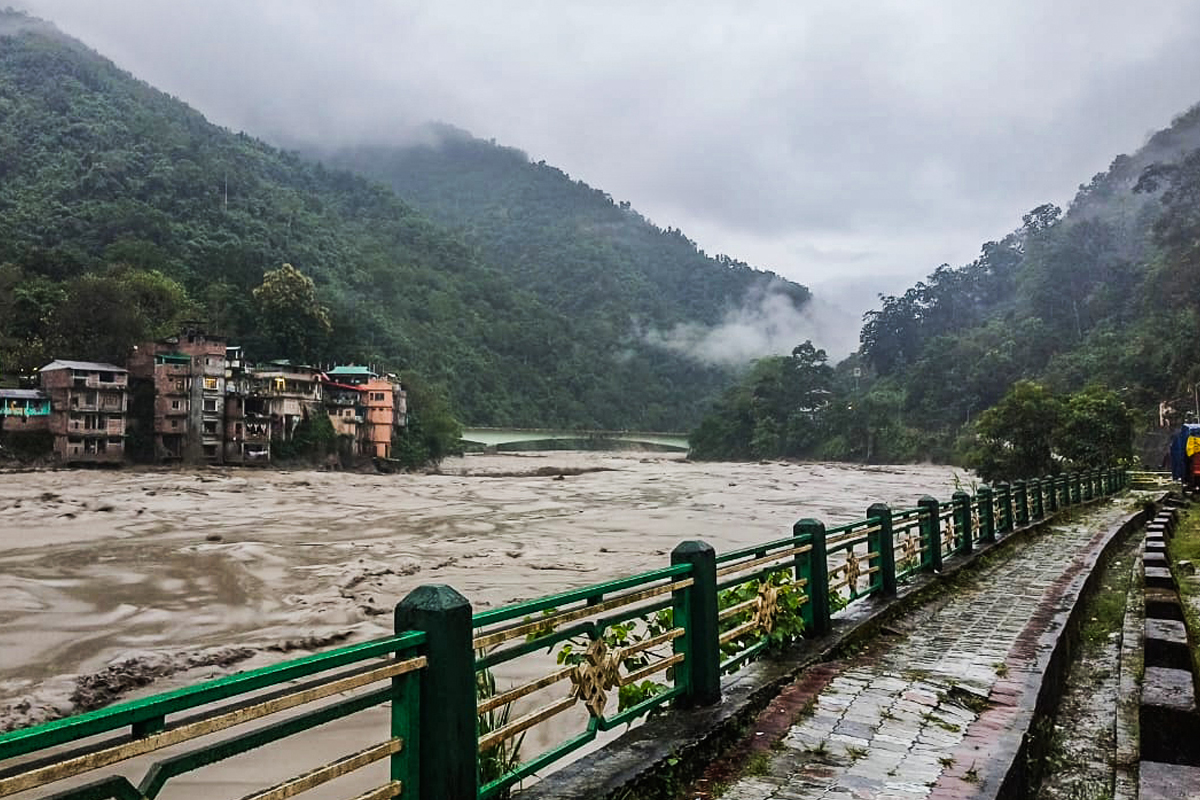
[(891, 724)]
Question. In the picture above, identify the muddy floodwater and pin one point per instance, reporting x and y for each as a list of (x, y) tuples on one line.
[(114, 583)]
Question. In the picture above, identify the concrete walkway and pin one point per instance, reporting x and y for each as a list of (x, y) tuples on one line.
[(932, 712)]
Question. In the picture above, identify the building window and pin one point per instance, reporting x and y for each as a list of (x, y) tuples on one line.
[(175, 404), (174, 423), (210, 384), (180, 387), (210, 404)]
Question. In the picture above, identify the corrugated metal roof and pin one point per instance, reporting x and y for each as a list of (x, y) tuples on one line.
[(88, 366), (351, 369), (23, 394)]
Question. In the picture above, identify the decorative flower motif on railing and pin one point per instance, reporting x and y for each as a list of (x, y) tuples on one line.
[(912, 548), (853, 571), (767, 608), (595, 675)]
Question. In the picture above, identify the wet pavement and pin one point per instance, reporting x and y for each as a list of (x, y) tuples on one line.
[(899, 722)]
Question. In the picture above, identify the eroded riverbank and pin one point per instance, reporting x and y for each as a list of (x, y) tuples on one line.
[(132, 577)]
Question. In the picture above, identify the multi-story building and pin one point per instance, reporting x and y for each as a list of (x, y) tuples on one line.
[(88, 402), (373, 400), (377, 434), (187, 373), (288, 393), (24, 410), (344, 405), (247, 422), (399, 405)]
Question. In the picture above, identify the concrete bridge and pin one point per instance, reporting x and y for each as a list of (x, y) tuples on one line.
[(526, 438)]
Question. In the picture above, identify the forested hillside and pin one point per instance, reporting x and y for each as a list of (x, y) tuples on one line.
[(573, 245), (1104, 293), (122, 211), (1099, 306)]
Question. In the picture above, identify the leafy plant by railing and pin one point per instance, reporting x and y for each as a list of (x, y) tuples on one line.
[(620, 637), (785, 625), (504, 757)]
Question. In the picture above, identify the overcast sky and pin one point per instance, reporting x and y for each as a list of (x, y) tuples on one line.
[(858, 144)]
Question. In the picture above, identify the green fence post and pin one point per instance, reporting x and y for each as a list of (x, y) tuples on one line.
[(813, 567), (1021, 503), (883, 542), (1036, 509), (405, 719), (1075, 488), (448, 751), (1086, 486), (987, 517), (1052, 494), (695, 609), (1004, 502), (931, 524), (962, 516)]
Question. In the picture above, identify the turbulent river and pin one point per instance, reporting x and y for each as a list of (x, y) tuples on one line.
[(118, 583)]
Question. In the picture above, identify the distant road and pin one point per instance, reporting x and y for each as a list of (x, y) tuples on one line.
[(498, 437)]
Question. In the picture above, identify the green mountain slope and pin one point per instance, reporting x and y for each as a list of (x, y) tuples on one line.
[(1106, 293), (100, 174), (1100, 306), (580, 251)]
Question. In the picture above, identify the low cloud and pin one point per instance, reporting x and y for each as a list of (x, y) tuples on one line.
[(767, 323)]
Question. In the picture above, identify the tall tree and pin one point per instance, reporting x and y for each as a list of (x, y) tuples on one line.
[(296, 325)]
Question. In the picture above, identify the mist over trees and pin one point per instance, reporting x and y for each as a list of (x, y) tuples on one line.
[(1028, 359)]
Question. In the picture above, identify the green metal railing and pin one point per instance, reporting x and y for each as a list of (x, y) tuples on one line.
[(660, 638), (650, 614), (350, 675)]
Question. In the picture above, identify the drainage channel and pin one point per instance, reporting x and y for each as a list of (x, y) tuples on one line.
[(1168, 722)]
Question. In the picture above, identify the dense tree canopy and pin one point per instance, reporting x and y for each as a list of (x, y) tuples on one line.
[(537, 323), (1025, 359)]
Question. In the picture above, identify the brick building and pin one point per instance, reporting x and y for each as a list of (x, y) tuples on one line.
[(247, 421), (88, 402), (187, 373), (287, 392)]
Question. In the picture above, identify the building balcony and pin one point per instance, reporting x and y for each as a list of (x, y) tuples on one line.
[(93, 382)]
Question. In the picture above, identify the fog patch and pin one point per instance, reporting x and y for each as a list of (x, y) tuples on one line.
[(767, 323), (17, 21)]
